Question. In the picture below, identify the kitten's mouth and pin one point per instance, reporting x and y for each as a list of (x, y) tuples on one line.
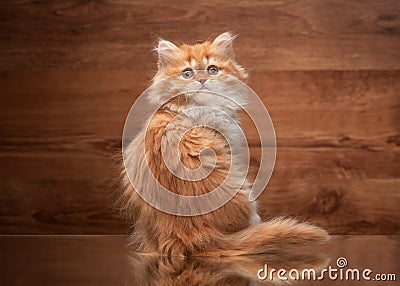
[(204, 88)]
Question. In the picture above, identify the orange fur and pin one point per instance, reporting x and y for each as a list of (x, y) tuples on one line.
[(227, 230)]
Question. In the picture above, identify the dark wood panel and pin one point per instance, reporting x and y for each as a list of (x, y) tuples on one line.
[(69, 72), (64, 260), (52, 206), (335, 107), (274, 35), (347, 206), (346, 190), (105, 260), (337, 162)]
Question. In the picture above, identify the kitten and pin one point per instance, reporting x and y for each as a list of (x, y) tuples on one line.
[(232, 229)]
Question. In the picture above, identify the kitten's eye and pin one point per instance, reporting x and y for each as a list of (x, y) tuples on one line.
[(187, 73), (212, 70)]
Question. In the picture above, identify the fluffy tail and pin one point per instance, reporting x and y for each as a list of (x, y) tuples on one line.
[(268, 236)]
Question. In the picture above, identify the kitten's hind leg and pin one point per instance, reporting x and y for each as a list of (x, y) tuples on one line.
[(255, 218)]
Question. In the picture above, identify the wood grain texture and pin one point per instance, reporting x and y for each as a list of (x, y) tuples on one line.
[(64, 260), (105, 260), (337, 163), (328, 72), (274, 35)]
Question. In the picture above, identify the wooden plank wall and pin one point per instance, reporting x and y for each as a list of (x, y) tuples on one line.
[(328, 72)]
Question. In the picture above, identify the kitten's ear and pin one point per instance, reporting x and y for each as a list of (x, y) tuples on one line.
[(223, 44), (167, 51)]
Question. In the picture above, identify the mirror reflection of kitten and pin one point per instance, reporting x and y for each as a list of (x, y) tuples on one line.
[(232, 229), (231, 270)]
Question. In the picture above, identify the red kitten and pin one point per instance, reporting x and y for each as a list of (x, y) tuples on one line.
[(232, 229)]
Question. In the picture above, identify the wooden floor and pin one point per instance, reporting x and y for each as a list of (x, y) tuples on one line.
[(105, 260), (328, 72)]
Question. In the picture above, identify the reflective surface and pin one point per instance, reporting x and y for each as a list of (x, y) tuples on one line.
[(105, 260)]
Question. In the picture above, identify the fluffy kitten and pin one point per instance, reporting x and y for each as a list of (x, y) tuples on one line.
[(232, 229)]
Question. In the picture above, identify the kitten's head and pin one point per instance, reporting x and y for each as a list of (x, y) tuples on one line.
[(208, 68)]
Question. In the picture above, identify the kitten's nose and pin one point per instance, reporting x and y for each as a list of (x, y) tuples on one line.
[(202, 80)]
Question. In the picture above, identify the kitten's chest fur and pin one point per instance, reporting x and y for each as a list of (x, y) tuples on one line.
[(221, 120)]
